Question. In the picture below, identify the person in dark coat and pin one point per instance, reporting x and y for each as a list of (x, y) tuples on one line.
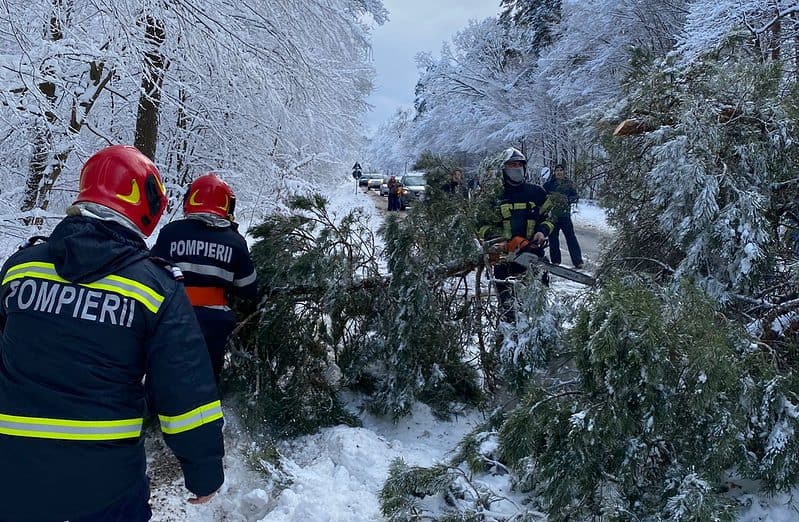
[(455, 185), (83, 318), (394, 193), (523, 220), (214, 259), (559, 184)]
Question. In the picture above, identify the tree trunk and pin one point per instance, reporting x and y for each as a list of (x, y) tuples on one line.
[(776, 35), (795, 16), (40, 163), (146, 139), (182, 124)]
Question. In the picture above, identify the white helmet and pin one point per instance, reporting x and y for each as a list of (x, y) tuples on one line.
[(514, 175)]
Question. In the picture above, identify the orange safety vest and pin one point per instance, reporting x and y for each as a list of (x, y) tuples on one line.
[(206, 296)]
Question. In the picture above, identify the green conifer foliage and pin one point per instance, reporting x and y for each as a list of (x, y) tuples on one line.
[(699, 191), (327, 310), (772, 406), (527, 346), (406, 487), (424, 323), (442, 493), (316, 274), (654, 419)]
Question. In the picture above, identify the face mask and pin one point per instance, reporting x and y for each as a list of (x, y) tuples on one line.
[(514, 175)]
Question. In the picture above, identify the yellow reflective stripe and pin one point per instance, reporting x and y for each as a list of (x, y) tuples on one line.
[(36, 275), (520, 206), (192, 419), (483, 231), (507, 233), (530, 227), (506, 209), (113, 283), (549, 225), (65, 429), (144, 288), (45, 269), (547, 206)]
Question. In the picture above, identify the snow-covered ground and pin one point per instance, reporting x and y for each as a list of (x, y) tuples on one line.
[(337, 474)]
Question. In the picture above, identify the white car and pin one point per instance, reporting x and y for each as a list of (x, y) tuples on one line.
[(414, 185), (375, 180)]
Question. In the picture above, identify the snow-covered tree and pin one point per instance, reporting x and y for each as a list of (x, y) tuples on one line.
[(250, 90)]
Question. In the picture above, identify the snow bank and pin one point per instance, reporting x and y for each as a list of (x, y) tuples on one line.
[(338, 473)]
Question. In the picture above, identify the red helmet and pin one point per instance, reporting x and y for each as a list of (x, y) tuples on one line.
[(208, 194), (123, 179)]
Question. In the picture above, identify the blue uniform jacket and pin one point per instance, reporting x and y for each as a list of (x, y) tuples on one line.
[(209, 256), (83, 318), (523, 211)]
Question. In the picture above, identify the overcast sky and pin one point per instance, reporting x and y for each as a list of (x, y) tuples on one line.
[(414, 26)]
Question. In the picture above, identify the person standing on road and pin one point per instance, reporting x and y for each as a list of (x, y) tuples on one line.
[(394, 188), (83, 318), (214, 258), (356, 174), (564, 187), (523, 221)]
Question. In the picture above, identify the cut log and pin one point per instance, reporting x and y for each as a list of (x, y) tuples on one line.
[(632, 127)]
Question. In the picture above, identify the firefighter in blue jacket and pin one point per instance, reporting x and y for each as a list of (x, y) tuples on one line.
[(83, 318), (522, 220), (214, 258)]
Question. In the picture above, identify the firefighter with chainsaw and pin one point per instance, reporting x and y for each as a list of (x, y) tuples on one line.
[(522, 220), (214, 259), (83, 317)]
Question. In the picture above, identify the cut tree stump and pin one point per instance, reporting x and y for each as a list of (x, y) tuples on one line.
[(632, 127)]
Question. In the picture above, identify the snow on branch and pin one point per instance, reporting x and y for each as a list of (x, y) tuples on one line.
[(779, 16)]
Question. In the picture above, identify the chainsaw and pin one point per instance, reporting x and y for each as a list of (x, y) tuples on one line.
[(528, 258)]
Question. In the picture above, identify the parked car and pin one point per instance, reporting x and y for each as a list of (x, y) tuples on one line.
[(375, 180), (413, 188), (363, 180)]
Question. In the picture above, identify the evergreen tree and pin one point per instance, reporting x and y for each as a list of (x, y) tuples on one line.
[(315, 272), (658, 414), (430, 254), (326, 309), (697, 195), (541, 16)]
